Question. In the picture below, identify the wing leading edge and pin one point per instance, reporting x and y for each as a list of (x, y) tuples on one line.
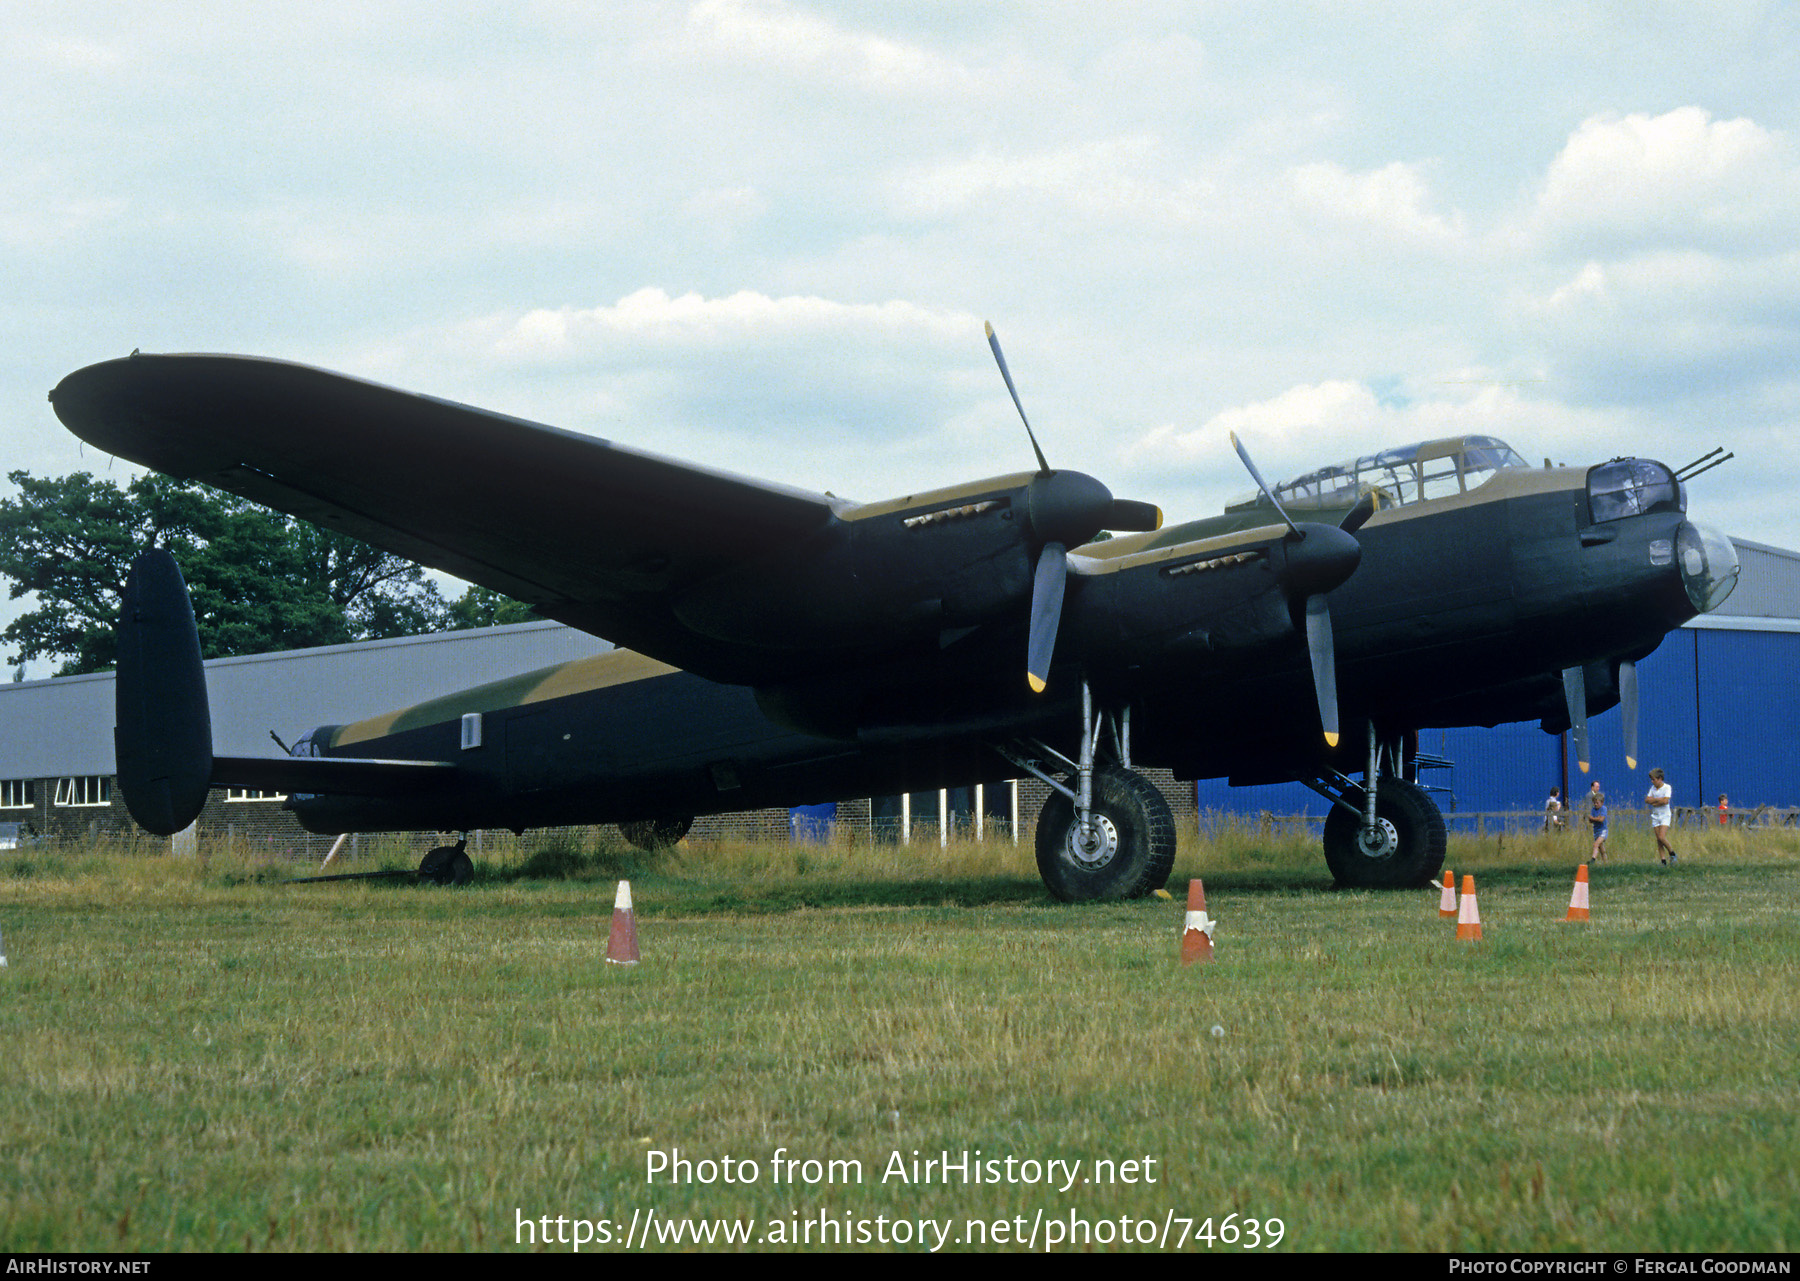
[(588, 532)]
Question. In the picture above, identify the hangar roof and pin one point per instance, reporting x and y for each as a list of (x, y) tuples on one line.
[(1767, 597)]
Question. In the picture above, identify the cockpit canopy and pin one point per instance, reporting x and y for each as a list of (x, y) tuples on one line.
[(1404, 474)]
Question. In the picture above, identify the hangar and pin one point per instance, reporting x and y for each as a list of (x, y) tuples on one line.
[(1720, 714)]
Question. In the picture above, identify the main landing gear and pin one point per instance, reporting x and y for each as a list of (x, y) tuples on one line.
[(1393, 838), (1106, 831)]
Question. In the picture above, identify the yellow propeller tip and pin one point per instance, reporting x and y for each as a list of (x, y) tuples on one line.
[(1584, 766), (1331, 740), (1631, 762), (1037, 686), (989, 325)]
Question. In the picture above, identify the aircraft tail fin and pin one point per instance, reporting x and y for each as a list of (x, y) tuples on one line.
[(162, 734)]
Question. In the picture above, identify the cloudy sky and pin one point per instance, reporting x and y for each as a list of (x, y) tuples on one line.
[(764, 234)]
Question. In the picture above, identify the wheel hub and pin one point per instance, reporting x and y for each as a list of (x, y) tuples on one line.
[(1380, 841), (1099, 844)]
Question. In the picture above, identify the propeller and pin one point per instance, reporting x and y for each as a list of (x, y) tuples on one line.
[(1575, 695), (1574, 681), (1063, 509), (1046, 613), (1321, 649), (1628, 709), (1000, 359), (1320, 557)]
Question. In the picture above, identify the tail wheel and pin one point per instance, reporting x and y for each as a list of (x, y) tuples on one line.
[(447, 865), (1127, 852), (656, 833), (1405, 848)]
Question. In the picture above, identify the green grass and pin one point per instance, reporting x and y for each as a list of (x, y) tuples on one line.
[(198, 1058)]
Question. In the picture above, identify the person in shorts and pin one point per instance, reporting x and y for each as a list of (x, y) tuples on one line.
[(1658, 799)]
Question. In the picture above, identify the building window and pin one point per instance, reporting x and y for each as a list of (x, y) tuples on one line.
[(252, 794), (17, 793), (84, 789)]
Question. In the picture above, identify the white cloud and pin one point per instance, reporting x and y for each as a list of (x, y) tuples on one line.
[(1667, 327), (1687, 286), (1109, 179), (1315, 424), (1678, 178), (652, 318), (1394, 200), (770, 34)]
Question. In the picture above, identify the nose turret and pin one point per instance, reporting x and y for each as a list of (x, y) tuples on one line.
[(1709, 565)]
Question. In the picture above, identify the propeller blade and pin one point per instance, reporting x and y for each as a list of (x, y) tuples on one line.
[(994, 342), (1320, 647), (1264, 486), (1046, 613), (1358, 514), (1129, 516), (1575, 695), (1628, 708)]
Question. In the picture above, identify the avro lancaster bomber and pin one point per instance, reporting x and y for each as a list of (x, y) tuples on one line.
[(784, 647)]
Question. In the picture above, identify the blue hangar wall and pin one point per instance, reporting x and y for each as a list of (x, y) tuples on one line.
[(1719, 711)]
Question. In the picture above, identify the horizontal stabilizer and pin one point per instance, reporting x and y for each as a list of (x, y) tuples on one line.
[(334, 775)]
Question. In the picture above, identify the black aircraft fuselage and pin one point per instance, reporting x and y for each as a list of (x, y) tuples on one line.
[(1461, 612), (793, 648)]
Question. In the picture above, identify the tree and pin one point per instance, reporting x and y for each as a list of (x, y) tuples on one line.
[(481, 607), (260, 581)]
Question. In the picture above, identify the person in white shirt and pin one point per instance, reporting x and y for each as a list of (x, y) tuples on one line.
[(1658, 799)]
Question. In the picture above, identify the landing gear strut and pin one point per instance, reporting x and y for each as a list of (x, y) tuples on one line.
[(1106, 831), (1385, 833)]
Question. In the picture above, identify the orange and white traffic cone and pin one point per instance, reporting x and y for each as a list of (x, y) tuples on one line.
[(1468, 915), (1447, 900), (1578, 901), (621, 943), (1196, 934)]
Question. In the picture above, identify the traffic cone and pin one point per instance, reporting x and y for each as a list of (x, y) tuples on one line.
[(1578, 901), (1468, 915), (1447, 900), (621, 943), (1196, 934)]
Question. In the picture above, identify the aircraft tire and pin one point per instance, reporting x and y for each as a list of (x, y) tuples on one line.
[(1137, 845), (447, 865), (1417, 826), (655, 833)]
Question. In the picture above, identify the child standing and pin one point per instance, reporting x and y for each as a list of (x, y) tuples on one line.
[(1597, 821)]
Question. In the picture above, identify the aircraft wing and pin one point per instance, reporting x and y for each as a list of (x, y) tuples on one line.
[(587, 532)]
